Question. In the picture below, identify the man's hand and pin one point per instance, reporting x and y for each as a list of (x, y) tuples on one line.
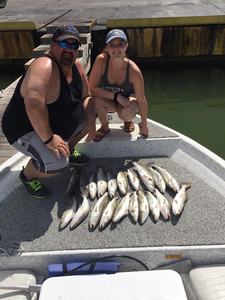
[(58, 146)]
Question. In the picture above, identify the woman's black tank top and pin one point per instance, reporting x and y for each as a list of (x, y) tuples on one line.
[(125, 89)]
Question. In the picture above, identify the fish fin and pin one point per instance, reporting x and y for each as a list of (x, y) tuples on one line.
[(128, 161), (188, 184)]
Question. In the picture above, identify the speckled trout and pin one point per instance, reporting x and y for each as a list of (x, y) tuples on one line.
[(122, 209), (159, 181), (143, 207), (133, 206), (122, 182), (133, 178), (163, 204), (92, 187), (109, 211), (180, 199), (68, 213), (168, 178), (112, 184), (74, 182), (84, 190), (98, 210), (153, 205), (81, 213), (146, 176), (102, 183)]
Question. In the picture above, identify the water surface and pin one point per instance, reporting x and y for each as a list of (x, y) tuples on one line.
[(189, 100)]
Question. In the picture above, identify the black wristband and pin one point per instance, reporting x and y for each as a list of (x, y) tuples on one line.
[(115, 97), (49, 140)]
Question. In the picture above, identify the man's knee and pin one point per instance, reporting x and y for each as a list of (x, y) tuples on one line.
[(53, 165)]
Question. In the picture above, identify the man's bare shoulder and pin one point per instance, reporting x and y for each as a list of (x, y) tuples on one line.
[(79, 66), (42, 76), (42, 64)]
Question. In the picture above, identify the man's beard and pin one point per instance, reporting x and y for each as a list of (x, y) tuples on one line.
[(67, 60)]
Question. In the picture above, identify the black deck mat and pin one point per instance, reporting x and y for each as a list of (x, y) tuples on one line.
[(35, 223)]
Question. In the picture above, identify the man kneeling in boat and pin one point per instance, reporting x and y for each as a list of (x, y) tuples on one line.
[(122, 86), (50, 106)]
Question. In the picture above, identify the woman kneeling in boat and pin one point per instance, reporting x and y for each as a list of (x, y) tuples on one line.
[(122, 86)]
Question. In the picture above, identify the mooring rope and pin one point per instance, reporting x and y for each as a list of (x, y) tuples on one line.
[(14, 249)]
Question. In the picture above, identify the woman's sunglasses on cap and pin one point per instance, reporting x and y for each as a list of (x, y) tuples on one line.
[(73, 46)]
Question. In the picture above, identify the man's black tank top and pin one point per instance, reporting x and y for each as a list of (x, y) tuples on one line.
[(64, 113), (125, 89)]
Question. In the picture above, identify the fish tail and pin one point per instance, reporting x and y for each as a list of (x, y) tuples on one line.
[(187, 184)]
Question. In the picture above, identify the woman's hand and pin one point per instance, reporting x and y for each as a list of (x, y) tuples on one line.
[(144, 130), (124, 101)]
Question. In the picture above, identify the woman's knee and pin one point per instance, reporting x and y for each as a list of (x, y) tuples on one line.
[(97, 101), (126, 114)]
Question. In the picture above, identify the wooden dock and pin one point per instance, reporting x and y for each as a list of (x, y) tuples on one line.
[(6, 150)]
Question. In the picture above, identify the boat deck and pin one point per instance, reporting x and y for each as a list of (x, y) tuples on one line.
[(35, 223)]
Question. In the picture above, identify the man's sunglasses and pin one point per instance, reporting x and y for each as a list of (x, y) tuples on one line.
[(73, 46)]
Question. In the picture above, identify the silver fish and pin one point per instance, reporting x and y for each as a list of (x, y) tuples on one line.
[(68, 213), (180, 199), (159, 181), (81, 213), (133, 206), (84, 184), (109, 212), (102, 183), (122, 209), (163, 204), (92, 186), (74, 182), (153, 205), (143, 207), (98, 210), (133, 178), (112, 184), (168, 178), (122, 182), (146, 176)]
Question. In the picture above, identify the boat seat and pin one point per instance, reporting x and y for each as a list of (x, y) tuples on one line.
[(17, 278), (208, 282)]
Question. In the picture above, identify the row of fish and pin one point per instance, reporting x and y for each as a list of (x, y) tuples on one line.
[(138, 203), (152, 177)]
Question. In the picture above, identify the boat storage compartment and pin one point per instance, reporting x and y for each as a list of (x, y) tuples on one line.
[(208, 282), (157, 285), (17, 278), (83, 268)]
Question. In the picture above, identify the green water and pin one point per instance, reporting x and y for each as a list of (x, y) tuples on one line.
[(6, 80), (9, 74), (189, 100)]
